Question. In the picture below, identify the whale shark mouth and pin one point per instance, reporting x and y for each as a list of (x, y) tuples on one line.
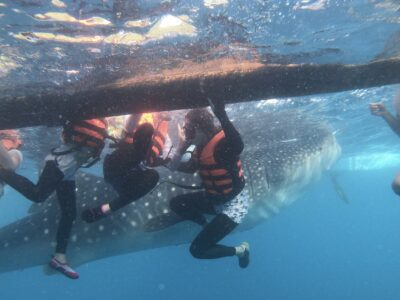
[(303, 149)]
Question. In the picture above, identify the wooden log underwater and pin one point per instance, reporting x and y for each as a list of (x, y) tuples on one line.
[(187, 85)]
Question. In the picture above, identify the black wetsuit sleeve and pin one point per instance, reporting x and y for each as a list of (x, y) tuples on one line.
[(232, 145), (123, 159)]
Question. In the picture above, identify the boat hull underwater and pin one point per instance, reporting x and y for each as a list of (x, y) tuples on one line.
[(140, 87)]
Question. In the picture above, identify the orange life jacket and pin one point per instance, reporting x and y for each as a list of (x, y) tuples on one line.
[(10, 139), (89, 133), (218, 179), (158, 139)]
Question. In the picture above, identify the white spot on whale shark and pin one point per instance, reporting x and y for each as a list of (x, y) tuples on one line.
[(74, 238)]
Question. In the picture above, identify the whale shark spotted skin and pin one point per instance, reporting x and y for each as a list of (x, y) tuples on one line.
[(284, 152)]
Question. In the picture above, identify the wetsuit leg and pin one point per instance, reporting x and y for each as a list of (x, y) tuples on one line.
[(205, 244), (134, 186), (67, 201), (192, 207), (50, 177)]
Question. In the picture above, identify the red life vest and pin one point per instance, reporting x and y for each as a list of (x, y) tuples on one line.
[(158, 139), (88, 133), (10, 139), (218, 179)]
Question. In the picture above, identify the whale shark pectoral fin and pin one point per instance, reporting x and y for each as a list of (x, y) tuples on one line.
[(340, 192), (162, 222)]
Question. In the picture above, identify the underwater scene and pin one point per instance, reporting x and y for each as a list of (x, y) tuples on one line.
[(199, 149)]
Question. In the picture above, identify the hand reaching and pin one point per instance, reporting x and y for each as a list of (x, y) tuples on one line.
[(378, 109)]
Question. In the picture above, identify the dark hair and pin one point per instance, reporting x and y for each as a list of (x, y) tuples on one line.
[(201, 118), (143, 132)]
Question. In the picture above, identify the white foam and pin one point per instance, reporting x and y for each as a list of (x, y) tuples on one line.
[(369, 161)]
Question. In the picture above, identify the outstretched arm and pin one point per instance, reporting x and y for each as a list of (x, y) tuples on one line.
[(378, 109), (234, 143)]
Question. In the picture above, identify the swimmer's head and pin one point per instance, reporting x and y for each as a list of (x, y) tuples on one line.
[(199, 122), (142, 137), (396, 103)]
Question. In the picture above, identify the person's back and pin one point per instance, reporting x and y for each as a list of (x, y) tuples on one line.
[(122, 160), (126, 171)]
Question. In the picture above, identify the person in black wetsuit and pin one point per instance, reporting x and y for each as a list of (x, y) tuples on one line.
[(82, 143), (126, 171), (216, 157)]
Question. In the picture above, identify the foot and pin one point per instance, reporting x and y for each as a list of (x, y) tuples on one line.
[(63, 268), (243, 253), (94, 214)]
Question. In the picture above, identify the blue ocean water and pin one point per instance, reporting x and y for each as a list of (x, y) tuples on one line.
[(320, 247)]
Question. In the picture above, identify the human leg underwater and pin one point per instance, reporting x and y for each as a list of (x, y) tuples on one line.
[(206, 245), (67, 201), (130, 188), (192, 207), (48, 181)]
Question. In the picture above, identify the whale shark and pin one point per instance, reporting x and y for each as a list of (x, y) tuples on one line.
[(284, 152)]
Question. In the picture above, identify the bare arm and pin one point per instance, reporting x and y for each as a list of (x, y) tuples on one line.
[(378, 109), (6, 160)]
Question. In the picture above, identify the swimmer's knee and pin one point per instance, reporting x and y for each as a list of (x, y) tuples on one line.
[(38, 196), (196, 251)]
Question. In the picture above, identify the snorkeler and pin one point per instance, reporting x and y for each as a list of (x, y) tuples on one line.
[(10, 156), (82, 143), (215, 154), (128, 167), (379, 109)]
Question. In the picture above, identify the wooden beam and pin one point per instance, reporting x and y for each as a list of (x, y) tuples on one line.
[(188, 84)]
